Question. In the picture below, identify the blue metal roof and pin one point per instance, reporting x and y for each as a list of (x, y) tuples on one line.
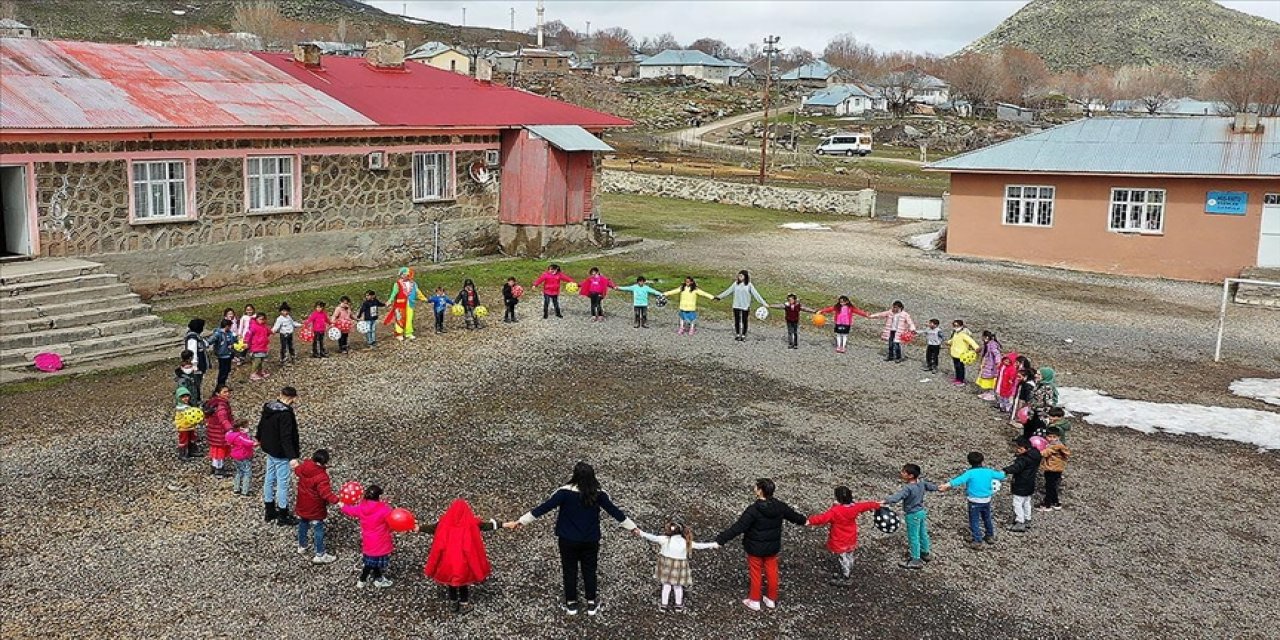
[(834, 95), (1190, 146), (685, 57), (569, 137), (816, 70)]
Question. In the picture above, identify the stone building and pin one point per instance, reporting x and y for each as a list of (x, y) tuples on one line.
[(181, 168)]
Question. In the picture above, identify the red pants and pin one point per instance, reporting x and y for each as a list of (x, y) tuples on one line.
[(186, 437), (217, 452), (767, 568)]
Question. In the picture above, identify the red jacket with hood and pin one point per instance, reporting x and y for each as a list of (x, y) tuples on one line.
[(314, 492), (458, 557), (218, 421), (843, 519)]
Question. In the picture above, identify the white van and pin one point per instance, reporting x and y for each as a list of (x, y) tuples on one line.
[(845, 144)]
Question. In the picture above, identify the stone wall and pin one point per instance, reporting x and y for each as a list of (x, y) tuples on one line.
[(853, 203)]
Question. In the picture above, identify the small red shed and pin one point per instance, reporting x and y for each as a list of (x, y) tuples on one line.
[(548, 200)]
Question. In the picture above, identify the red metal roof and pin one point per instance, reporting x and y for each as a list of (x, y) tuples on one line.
[(424, 96), (59, 85)]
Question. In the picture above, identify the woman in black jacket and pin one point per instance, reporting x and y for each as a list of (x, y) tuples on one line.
[(760, 526), (578, 530)]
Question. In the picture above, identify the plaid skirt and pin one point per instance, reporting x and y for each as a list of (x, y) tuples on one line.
[(673, 571), (377, 562)]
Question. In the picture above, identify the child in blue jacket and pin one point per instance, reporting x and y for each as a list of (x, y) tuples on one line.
[(640, 292), (440, 303), (980, 484)]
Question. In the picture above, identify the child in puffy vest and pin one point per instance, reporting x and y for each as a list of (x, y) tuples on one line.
[(376, 543), (242, 445), (674, 547), (315, 494), (791, 313), (458, 558), (842, 539)]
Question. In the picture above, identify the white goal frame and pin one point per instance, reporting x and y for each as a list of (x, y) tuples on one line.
[(1222, 311)]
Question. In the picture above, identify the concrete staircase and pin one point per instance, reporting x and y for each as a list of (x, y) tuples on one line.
[(1258, 295), (70, 307), (605, 237)]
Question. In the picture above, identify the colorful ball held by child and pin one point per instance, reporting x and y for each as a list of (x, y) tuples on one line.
[(364, 326), (345, 325), (351, 492), (481, 311), (401, 520), (1039, 443), (906, 337), (571, 287), (1023, 414), (306, 334), (333, 333), (969, 357), (819, 320), (762, 313), (662, 301), (240, 346), (887, 520), (457, 309), (517, 291)]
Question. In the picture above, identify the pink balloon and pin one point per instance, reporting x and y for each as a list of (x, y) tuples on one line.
[(1024, 414), (1039, 443)]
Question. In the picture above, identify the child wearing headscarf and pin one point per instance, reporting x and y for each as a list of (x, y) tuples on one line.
[(458, 558)]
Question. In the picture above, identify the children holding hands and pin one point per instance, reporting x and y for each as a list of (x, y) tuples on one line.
[(896, 322), (842, 539), (843, 311), (674, 547), (640, 292), (791, 313)]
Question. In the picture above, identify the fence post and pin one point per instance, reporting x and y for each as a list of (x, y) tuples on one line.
[(1222, 319)]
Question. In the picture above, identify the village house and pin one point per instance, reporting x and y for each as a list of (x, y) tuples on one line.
[(688, 62), (10, 28), (741, 76), (618, 67), (814, 74), (1189, 198), (530, 60), (181, 168), (441, 56), (840, 100)]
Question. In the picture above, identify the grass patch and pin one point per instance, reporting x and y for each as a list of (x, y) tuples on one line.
[(670, 219), (27, 386)]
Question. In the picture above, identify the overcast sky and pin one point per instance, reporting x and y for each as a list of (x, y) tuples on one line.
[(936, 26)]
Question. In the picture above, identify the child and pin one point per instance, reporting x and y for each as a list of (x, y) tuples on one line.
[(674, 547), (842, 539), (318, 321), (315, 494), (640, 292), (223, 343), (1026, 383), (1058, 420), (791, 312), (843, 311), (285, 325), (917, 516), (230, 314), (186, 432), (1023, 471), (469, 299), (1007, 381), (896, 322), (743, 291), (595, 287), (259, 341), (979, 484), (184, 375), (343, 319), (375, 536), (510, 300), (550, 281), (760, 526), (369, 314), (1053, 462), (933, 345), (689, 293), (217, 423), (245, 318), (990, 356), (440, 303), (196, 343), (961, 343), (458, 559), (242, 445)]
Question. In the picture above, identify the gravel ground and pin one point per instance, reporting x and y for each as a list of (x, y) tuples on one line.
[(103, 530)]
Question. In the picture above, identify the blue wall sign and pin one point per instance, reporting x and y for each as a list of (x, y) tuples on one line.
[(1227, 202)]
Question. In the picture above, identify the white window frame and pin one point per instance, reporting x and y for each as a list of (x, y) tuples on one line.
[(273, 191), (161, 190), (429, 187), (1137, 212), (1022, 200)]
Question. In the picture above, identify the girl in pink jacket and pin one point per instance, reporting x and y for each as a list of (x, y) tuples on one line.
[(595, 288), (896, 322), (844, 312), (242, 445), (259, 341), (550, 281), (375, 535)]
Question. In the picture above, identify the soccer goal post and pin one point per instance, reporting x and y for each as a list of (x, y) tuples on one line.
[(1226, 299)]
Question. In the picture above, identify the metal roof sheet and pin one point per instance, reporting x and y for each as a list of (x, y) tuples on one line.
[(569, 137), (50, 84), (816, 70), (683, 57), (834, 95), (1191, 146)]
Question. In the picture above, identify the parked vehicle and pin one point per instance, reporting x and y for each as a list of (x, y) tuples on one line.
[(845, 144)]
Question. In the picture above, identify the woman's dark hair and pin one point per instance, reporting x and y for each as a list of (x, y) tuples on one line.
[(844, 495), (372, 492), (976, 458), (584, 478), (746, 277), (196, 325), (766, 487)]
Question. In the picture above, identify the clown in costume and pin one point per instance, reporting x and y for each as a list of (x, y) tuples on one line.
[(458, 558), (404, 296)]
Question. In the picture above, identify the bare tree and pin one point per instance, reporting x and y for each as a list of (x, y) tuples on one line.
[(1153, 87), (710, 46), (262, 18), (8, 10), (1251, 84), (614, 42), (1023, 72), (796, 56), (844, 51), (899, 89), (974, 76), (751, 53)]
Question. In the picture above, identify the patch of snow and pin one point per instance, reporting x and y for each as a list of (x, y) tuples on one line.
[(179, 12), (413, 20), (1264, 389), (805, 226), (925, 241), (1250, 426)]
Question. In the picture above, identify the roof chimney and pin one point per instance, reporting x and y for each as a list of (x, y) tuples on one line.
[(385, 54), (1245, 123), (540, 24), (307, 54)]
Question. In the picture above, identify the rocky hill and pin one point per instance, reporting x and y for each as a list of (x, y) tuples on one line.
[(1077, 34), (132, 20)]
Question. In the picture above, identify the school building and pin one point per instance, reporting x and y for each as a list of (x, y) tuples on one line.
[(1194, 198)]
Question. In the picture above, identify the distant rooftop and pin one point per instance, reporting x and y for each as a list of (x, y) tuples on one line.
[(816, 70), (834, 95), (686, 57), (10, 23), (428, 50)]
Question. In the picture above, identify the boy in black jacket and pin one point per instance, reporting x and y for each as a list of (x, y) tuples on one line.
[(760, 526), (278, 435), (510, 299), (369, 313), (1023, 475)]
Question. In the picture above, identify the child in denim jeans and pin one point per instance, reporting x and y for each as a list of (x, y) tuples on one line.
[(242, 445), (369, 314), (440, 303), (979, 484)]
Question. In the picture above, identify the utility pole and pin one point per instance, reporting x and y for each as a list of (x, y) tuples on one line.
[(464, 16), (588, 29), (513, 18), (769, 50)]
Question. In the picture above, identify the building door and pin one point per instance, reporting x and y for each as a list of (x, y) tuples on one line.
[(15, 233), (1269, 239)]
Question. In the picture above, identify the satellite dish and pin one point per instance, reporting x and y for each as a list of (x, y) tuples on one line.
[(480, 173)]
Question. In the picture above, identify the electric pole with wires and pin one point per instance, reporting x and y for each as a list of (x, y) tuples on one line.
[(769, 50)]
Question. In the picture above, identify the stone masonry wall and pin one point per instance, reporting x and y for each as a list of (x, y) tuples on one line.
[(854, 203)]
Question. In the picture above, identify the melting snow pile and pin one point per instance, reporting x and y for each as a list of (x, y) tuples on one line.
[(1260, 428), (926, 241), (805, 226), (1262, 389)]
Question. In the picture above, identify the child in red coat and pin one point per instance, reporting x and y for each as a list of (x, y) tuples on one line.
[(315, 494), (842, 540), (458, 558)]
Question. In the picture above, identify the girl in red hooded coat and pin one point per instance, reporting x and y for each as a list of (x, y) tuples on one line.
[(217, 422), (842, 540), (458, 558)]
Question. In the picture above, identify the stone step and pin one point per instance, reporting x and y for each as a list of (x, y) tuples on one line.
[(77, 333), (19, 289), (65, 305), (44, 297), (1258, 296), (34, 271), (163, 340), (76, 318)]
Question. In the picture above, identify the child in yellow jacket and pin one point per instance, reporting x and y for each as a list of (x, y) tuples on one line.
[(689, 293), (962, 345)]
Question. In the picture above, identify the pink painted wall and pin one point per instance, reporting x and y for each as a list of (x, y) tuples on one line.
[(542, 185)]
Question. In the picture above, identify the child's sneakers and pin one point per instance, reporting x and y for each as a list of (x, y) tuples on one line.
[(382, 583), (913, 563), (769, 603), (324, 559), (571, 608), (753, 605), (680, 331), (593, 607), (302, 551), (360, 583)]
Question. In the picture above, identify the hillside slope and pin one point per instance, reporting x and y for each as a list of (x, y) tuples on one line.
[(132, 20), (1076, 34)]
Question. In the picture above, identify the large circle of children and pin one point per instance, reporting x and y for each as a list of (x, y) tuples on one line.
[(458, 559)]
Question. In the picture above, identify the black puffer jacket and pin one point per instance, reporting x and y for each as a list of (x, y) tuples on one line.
[(761, 527), (1023, 471), (278, 431)]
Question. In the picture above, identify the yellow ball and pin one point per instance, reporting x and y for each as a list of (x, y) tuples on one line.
[(240, 346), (969, 357), (571, 287), (481, 311), (457, 310)]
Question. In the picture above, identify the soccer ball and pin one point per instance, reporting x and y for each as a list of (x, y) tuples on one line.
[(969, 357), (457, 309), (351, 492), (481, 311), (762, 313), (517, 291), (364, 326), (334, 333), (662, 301), (571, 287), (995, 486), (887, 520)]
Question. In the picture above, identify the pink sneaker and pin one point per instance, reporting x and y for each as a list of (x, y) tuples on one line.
[(680, 331), (958, 383), (840, 350), (692, 330)]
